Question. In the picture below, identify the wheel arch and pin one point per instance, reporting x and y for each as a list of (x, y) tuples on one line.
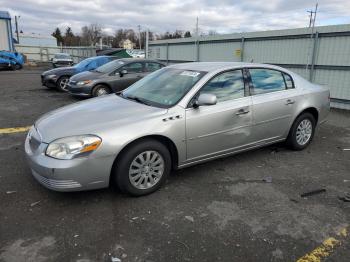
[(160, 138), (312, 110)]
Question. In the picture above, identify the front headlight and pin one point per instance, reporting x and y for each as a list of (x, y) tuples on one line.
[(85, 82), (72, 147)]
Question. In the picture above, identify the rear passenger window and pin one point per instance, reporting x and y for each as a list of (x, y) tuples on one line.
[(151, 67), (226, 86), (289, 81), (266, 81)]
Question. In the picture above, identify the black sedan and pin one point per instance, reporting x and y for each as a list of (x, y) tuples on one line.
[(111, 77), (59, 77)]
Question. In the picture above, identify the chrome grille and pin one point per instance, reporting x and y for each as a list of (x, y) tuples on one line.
[(56, 184)]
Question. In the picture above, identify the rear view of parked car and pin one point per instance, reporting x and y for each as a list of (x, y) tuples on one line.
[(111, 77), (62, 59), (58, 78)]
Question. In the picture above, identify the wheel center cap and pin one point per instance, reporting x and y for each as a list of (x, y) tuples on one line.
[(146, 169)]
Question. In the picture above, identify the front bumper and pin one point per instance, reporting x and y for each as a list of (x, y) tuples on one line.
[(78, 174), (83, 91), (48, 82)]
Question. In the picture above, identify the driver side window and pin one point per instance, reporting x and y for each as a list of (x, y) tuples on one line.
[(226, 86), (133, 68)]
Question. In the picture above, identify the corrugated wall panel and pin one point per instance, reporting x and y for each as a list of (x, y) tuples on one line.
[(185, 52), (338, 82), (288, 51), (209, 52), (158, 52), (334, 51)]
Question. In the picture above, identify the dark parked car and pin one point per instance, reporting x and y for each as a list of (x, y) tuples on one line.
[(111, 77), (59, 77)]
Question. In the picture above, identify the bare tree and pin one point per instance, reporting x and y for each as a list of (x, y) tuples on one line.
[(90, 35)]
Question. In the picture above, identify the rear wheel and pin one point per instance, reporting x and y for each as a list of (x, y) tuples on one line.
[(101, 90), (301, 132), (62, 84), (143, 168)]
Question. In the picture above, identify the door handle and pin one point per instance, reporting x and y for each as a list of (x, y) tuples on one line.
[(290, 102), (242, 112)]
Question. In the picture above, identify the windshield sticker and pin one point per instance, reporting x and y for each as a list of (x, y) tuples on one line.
[(190, 73)]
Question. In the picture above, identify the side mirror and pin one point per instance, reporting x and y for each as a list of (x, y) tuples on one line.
[(205, 99), (123, 72)]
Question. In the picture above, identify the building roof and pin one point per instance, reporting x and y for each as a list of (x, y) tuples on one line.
[(258, 34), (5, 15)]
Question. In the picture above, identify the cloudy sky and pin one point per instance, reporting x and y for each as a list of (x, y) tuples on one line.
[(223, 16)]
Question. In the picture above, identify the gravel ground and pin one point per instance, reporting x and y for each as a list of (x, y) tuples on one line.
[(217, 211)]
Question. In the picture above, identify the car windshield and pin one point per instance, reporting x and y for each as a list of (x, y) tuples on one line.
[(163, 88), (84, 63), (62, 56), (109, 67)]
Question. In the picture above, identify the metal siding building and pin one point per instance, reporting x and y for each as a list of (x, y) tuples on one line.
[(326, 52), (6, 41)]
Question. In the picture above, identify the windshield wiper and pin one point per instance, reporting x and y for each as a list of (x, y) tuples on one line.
[(137, 99)]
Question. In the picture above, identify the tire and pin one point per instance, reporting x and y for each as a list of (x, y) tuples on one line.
[(62, 84), (127, 174), (301, 132), (18, 67), (100, 90)]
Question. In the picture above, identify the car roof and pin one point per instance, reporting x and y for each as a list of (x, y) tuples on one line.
[(129, 60), (214, 66)]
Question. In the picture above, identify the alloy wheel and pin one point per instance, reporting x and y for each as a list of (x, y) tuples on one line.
[(146, 170), (64, 84), (304, 132)]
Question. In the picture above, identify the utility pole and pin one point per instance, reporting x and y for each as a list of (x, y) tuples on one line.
[(312, 17), (139, 36), (16, 24), (312, 25), (197, 40), (147, 43)]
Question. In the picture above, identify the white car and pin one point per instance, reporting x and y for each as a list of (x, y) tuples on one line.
[(62, 59)]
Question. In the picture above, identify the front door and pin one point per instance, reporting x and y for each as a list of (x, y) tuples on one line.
[(135, 73), (217, 129)]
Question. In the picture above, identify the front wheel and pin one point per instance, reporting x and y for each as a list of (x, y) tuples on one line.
[(143, 168), (100, 90), (301, 132), (62, 84)]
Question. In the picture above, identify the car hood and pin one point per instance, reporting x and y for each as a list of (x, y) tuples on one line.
[(61, 70), (87, 75), (93, 116)]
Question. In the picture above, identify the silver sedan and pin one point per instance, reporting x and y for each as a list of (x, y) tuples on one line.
[(178, 116)]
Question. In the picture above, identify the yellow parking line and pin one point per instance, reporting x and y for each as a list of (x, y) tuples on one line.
[(325, 249), (14, 130)]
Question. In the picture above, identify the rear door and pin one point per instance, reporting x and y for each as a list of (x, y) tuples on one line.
[(217, 129), (274, 99)]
